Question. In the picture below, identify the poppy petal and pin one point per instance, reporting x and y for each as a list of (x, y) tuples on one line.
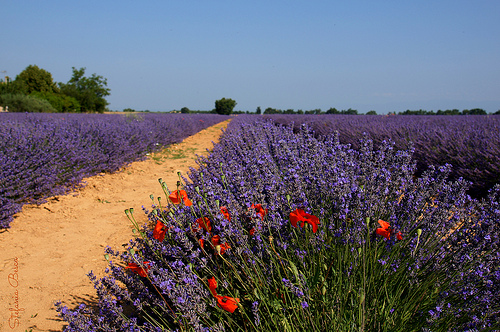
[(259, 210), (383, 232), (204, 223), (212, 284), (216, 240), (227, 303), (225, 213), (295, 217), (301, 215), (385, 225), (174, 197), (137, 269), (159, 231)]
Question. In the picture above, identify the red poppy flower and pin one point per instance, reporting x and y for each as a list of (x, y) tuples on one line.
[(252, 231), (300, 215), (202, 243), (216, 242), (204, 223), (227, 303), (386, 230), (142, 271), (174, 197), (259, 210), (159, 231), (225, 213)]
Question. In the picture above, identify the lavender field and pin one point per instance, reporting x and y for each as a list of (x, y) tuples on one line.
[(282, 229), (42, 155), (470, 144)]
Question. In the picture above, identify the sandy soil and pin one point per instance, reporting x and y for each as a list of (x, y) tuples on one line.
[(50, 248)]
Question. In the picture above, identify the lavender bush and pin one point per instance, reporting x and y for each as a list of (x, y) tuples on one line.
[(471, 144), (279, 230), (43, 155)]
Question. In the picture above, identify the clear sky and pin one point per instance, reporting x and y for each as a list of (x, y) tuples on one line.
[(361, 54)]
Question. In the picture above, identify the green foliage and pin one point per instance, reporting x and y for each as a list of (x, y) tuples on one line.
[(88, 91), (185, 110), (61, 102), (129, 110), (474, 111), (371, 113), (35, 79), (224, 106), (22, 103), (10, 87), (271, 110), (332, 110), (258, 111), (85, 94), (349, 111)]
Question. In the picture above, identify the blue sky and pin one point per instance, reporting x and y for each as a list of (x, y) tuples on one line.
[(366, 55)]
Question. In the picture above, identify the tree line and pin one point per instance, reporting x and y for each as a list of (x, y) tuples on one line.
[(332, 110), (34, 90), (350, 111)]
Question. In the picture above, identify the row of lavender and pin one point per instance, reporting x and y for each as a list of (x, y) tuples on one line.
[(47, 154), (280, 230), (471, 144)]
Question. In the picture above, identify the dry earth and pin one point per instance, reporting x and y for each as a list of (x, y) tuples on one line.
[(50, 248)]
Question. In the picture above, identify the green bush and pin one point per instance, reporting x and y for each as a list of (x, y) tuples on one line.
[(23, 103), (62, 103)]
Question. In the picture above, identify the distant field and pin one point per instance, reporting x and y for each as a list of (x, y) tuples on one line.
[(470, 144)]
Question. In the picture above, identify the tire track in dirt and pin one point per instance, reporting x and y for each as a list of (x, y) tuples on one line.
[(50, 248)]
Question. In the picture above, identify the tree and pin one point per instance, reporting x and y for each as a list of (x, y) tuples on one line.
[(271, 110), (332, 110), (477, 111), (185, 110), (372, 112), (224, 106), (349, 111), (258, 111), (35, 79), (88, 91)]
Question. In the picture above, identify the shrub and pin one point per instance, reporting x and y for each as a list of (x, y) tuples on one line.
[(62, 103), (24, 103), (282, 231)]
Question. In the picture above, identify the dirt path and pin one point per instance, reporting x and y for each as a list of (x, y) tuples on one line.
[(50, 248)]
